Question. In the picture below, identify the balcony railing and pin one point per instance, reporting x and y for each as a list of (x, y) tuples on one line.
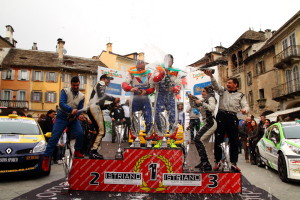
[(13, 104), (286, 56), (237, 70), (286, 90)]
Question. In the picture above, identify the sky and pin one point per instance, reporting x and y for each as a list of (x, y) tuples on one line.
[(187, 29)]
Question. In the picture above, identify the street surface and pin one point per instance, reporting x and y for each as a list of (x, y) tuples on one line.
[(267, 180)]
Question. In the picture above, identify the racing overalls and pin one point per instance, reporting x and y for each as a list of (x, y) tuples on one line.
[(68, 101), (169, 84), (140, 103), (95, 107)]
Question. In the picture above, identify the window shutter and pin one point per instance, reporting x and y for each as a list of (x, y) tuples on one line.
[(42, 76), (55, 94), (33, 76), (47, 76), (27, 74), (18, 95), (55, 77), (85, 79), (31, 96), (12, 74), (46, 97), (19, 74), (11, 95), (2, 95), (4, 74), (62, 77)]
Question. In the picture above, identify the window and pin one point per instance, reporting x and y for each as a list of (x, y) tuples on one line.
[(260, 68), (296, 77), (261, 93), (288, 77), (50, 97), (240, 83), (67, 80), (249, 78), (21, 95), (8, 75), (293, 44), (6, 95), (82, 82), (36, 96), (23, 75), (250, 98), (37, 76), (94, 80), (51, 76)]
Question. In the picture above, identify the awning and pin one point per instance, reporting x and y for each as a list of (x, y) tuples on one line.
[(273, 116)]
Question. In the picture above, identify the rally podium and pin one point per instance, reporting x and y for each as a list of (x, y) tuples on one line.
[(149, 170)]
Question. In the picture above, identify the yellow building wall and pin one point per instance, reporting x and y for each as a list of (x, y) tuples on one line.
[(108, 59)]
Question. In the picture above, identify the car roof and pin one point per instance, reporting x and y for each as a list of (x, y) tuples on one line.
[(291, 123), (14, 116)]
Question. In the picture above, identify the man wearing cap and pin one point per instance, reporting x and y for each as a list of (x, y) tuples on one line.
[(138, 83), (95, 107)]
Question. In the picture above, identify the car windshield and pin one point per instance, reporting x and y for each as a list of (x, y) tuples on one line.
[(292, 132), (18, 126)]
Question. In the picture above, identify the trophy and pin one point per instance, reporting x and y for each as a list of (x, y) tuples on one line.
[(67, 164), (137, 117), (225, 149), (186, 148), (120, 133), (163, 119)]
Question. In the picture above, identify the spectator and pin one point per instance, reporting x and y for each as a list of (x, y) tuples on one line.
[(181, 114), (41, 121), (127, 122), (117, 117), (61, 147), (84, 125), (251, 141), (194, 115), (244, 133)]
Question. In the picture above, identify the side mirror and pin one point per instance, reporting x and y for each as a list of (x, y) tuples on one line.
[(48, 134)]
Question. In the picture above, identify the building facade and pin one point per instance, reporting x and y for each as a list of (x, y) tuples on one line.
[(119, 62), (31, 80)]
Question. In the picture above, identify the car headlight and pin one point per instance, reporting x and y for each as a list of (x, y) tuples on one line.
[(40, 147)]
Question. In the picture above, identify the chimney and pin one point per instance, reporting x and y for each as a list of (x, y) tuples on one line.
[(9, 33), (34, 47), (60, 48), (268, 33), (220, 48), (109, 47), (141, 56)]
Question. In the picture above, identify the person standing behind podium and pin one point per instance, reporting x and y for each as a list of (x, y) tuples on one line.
[(230, 103)]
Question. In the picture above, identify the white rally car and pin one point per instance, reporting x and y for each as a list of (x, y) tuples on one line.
[(279, 149)]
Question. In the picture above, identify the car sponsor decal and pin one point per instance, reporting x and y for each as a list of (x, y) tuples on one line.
[(9, 138), (16, 170)]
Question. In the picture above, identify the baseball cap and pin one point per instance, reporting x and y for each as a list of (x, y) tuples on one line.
[(106, 76)]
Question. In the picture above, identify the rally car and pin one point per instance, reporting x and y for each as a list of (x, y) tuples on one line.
[(279, 149), (22, 146)]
